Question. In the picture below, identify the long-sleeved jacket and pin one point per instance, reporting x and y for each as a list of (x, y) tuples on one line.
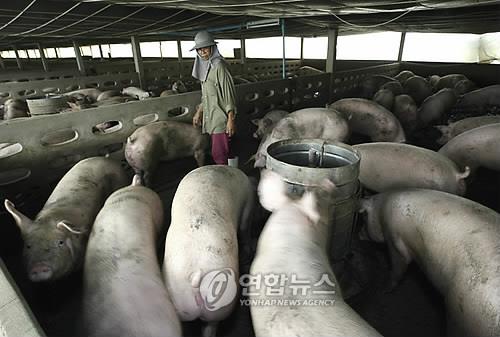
[(218, 98)]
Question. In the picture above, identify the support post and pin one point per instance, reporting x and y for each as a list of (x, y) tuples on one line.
[(179, 57), (45, 63), (243, 51), (18, 59), (331, 55), (301, 49), (2, 64), (139, 67), (284, 56), (401, 46), (79, 58)]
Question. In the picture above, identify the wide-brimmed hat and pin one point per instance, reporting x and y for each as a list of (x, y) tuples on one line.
[(203, 39)]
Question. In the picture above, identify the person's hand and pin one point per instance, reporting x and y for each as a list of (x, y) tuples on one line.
[(197, 118), (230, 127)]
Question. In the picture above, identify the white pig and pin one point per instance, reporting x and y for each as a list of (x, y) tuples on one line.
[(124, 293), (454, 240), (201, 248), (385, 166), (305, 123), (454, 129), (478, 147), (136, 92), (55, 242), (267, 123), (293, 245), (371, 119)]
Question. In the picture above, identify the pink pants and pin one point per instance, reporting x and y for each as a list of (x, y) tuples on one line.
[(221, 149)]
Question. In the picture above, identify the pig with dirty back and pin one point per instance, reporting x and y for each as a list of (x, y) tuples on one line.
[(55, 242), (266, 123), (201, 268), (320, 123), (15, 108), (124, 294), (166, 140), (455, 241), (136, 93), (293, 246)]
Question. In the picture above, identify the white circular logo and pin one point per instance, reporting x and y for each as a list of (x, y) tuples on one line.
[(218, 288)]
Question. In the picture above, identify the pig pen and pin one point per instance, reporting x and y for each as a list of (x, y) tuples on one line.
[(414, 308)]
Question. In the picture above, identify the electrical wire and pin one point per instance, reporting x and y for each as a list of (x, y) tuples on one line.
[(147, 26), (74, 23), (50, 21), (109, 24), (371, 26), (18, 15)]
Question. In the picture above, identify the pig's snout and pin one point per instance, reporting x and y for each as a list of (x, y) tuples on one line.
[(40, 272)]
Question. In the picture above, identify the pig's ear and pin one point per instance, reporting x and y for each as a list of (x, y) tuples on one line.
[(255, 121), (328, 185), (66, 225), (73, 105), (22, 221), (260, 161), (137, 180), (364, 204), (271, 190), (267, 122), (308, 205)]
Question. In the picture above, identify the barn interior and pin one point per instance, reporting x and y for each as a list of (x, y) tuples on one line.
[(37, 151)]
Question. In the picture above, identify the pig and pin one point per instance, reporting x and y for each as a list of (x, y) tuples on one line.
[(454, 129), (394, 86), (107, 94), (55, 242), (464, 86), (136, 93), (455, 242), (267, 123), (449, 81), (79, 102), (479, 147), (15, 108), (124, 293), (293, 245), (385, 98), (114, 100), (385, 166), (178, 87), (91, 93), (201, 247), (370, 85), (405, 109), (479, 102), (433, 81), (166, 140), (305, 123), (403, 76), (435, 108), (418, 88), (371, 119)]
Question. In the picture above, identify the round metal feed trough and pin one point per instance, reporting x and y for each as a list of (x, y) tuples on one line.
[(305, 163)]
